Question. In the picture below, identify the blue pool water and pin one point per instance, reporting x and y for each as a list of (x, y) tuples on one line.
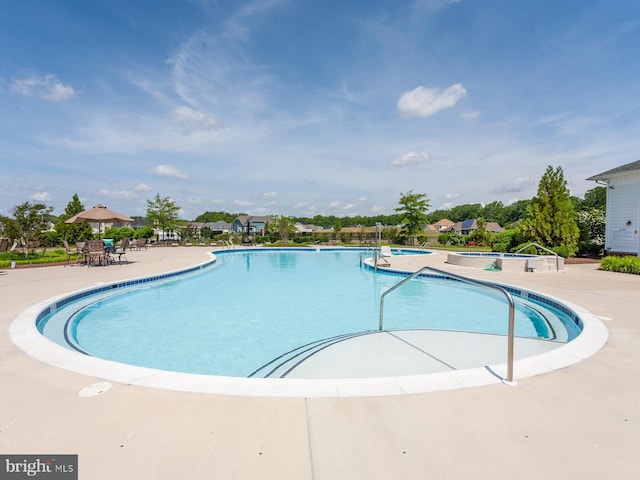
[(253, 306)]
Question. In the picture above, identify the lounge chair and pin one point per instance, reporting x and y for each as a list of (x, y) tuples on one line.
[(138, 244), (77, 255), (385, 253)]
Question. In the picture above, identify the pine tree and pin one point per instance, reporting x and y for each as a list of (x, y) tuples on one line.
[(73, 231), (550, 219)]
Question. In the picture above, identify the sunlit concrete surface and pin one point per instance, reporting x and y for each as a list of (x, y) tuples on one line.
[(582, 421)]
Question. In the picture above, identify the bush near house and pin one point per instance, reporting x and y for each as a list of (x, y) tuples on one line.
[(621, 264)]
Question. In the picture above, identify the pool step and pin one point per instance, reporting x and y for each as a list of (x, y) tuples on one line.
[(282, 365)]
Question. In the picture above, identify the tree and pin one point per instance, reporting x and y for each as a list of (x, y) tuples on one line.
[(163, 212), (594, 198), (550, 219), (493, 212), (337, 226), (413, 208), (282, 227), (73, 231), (514, 212), (212, 217), (28, 222), (460, 213)]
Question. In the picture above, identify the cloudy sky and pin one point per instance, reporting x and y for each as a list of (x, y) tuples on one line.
[(306, 107)]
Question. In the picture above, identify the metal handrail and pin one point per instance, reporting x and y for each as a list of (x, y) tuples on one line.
[(543, 248), (367, 250), (480, 283)]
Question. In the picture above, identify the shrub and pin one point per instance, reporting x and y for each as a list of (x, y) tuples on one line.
[(621, 264), (50, 239), (564, 251), (118, 233), (499, 247), (456, 239), (530, 250), (590, 248), (504, 241), (144, 232)]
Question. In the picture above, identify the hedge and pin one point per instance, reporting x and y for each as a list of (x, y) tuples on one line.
[(621, 264)]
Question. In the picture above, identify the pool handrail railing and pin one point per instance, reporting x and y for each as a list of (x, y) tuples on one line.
[(480, 283), (534, 244)]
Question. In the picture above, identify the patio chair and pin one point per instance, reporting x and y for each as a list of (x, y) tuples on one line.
[(95, 253), (385, 253), (78, 255), (81, 246), (120, 252)]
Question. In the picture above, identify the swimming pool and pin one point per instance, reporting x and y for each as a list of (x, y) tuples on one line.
[(249, 308)]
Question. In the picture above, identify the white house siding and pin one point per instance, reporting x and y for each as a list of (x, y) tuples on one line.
[(623, 206)]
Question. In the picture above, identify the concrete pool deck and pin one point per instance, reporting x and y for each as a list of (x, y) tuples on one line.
[(582, 421)]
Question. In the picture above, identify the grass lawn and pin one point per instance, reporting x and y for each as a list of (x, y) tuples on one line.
[(34, 258)]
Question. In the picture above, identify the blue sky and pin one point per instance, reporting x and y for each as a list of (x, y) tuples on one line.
[(307, 107)]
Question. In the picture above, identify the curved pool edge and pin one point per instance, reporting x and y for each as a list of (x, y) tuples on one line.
[(25, 335)]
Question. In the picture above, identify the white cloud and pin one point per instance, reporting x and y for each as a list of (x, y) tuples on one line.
[(187, 121), (118, 194), (410, 158), (269, 195), (449, 200), (243, 203), (450, 196), (518, 185), (218, 201), (335, 204), (169, 171), (194, 201), (423, 102), (142, 187), (41, 197), (47, 88), (349, 206)]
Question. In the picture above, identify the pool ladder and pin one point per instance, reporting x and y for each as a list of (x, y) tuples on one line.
[(511, 334)]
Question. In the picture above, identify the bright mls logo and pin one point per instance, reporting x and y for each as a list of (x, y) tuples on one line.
[(51, 467)]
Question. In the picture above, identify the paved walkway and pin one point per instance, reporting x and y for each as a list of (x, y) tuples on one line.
[(580, 422)]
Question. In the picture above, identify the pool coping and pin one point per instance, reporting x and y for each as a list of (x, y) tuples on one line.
[(25, 335)]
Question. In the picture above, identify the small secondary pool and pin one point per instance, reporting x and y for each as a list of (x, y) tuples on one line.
[(514, 262), (252, 307)]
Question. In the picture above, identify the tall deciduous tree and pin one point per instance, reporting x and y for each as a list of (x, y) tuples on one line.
[(163, 212), (550, 219), (595, 198), (413, 209), (28, 222)]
